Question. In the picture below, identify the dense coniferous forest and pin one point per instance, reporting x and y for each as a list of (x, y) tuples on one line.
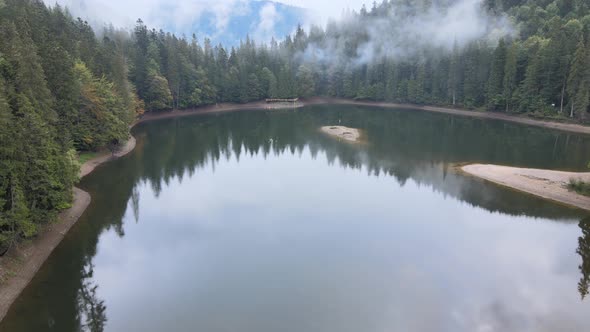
[(65, 88)]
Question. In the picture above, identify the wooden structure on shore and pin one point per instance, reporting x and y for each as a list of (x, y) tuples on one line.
[(271, 100), (277, 104)]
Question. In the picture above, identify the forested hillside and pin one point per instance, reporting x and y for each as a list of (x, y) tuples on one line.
[(540, 63), (65, 88), (61, 90)]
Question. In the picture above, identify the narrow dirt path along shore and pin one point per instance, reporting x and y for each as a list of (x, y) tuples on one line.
[(547, 184)]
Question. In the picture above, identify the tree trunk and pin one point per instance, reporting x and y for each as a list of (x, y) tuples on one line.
[(572, 110), (178, 95), (562, 96)]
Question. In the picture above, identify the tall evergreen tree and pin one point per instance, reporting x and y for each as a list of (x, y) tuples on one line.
[(579, 81), (495, 86)]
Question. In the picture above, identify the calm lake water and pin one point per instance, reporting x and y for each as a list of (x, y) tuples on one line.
[(257, 222)]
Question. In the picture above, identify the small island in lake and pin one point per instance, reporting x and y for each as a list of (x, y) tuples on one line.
[(352, 135)]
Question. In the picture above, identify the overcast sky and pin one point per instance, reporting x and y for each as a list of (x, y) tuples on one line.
[(328, 8), (160, 13)]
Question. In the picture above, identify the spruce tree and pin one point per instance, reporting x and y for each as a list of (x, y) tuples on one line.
[(578, 84), (510, 79), (495, 85)]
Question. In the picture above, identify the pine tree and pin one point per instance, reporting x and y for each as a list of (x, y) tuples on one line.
[(268, 83), (510, 78), (470, 84), (139, 74), (7, 148), (578, 84), (305, 82), (495, 91), (454, 76)]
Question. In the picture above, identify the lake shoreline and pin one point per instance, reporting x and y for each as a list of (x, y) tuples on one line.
[(24, 261), (547, 184), (27, 258), (261, 105), (563, 126)]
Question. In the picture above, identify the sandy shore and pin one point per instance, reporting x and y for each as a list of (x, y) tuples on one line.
[(551, 185), (19, 266), (91, 164), (352, 135)]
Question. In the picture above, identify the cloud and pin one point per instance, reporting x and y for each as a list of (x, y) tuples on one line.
[(324, 10), (179, 16), (226, 9), (403, 32), (395, 34), (265, 28)]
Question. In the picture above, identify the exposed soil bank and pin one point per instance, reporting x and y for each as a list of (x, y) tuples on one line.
[(344, 133), (547, 184), (19, 266)]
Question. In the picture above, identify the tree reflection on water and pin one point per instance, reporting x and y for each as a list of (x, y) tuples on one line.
[(91, 308), (584, 251)]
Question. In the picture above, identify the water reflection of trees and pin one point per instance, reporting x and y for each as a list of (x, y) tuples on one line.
[(584, 252), (402, 145), (90, 306)]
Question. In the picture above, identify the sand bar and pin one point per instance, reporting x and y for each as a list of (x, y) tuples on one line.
[(548, 184), (347, 134)]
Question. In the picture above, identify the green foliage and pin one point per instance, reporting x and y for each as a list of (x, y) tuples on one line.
[(55, 95), (268, 84), (158, 94), (579, 186), (305, 82), (496, 99), (527, 74), (86, 156), (101, 116), (579, 81)]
